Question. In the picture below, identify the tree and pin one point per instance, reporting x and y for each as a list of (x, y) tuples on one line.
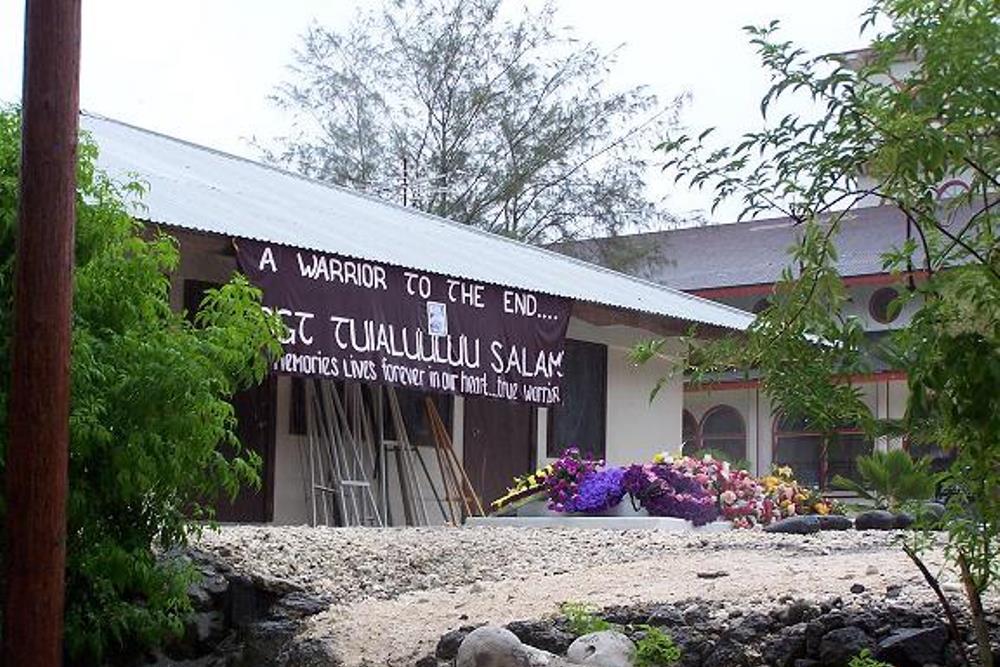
[(898, 123), (445, 105), (149, 409)]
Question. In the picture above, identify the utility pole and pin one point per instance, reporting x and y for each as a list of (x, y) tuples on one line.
[(38, 448)]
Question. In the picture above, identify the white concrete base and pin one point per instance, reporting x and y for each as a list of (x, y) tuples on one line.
[(600, 522)]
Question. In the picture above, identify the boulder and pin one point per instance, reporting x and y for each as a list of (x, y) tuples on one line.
[(490, 646), (726, 653), (834, 522), (904, 520), (795, 525), (607, 648), (838, 646), (447, 646), (875, 520), (311, 652), (784, 648), (264, 641), (913, 647), (546, 635)]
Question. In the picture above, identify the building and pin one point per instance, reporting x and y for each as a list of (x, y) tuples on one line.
[(217, 206), (738, 265)]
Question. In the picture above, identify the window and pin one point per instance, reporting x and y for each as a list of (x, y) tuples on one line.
[(800, 447), (722, 430), (880, 305), (689, 433), (579, 420)]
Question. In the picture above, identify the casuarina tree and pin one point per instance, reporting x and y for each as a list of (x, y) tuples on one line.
[(501, 121)]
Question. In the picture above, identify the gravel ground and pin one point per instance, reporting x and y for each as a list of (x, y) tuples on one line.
[(395, 591)]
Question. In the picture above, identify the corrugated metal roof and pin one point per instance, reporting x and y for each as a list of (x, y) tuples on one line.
[(755, 253), (198, 188)]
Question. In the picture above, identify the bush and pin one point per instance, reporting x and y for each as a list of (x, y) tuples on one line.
[(891, 479), (865, 659), (582, 619), (149, 409), (656, 649)]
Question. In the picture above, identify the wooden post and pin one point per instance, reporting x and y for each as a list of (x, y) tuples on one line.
[(37, 453)]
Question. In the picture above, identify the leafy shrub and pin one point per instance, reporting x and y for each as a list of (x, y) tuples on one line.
[(149, 409), (865, 659), (656, 648), (891, 479), (582, 619)]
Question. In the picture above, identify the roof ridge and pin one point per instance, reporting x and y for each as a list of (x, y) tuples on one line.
[(413, 211)]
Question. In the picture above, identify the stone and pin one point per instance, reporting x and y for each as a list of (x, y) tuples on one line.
[(490, 646), (857, 589), (913, 647), (798, 611), (785, 647), (714, 574), (726, 653), (427, 661), (904, 520), (893, 591), (871, 571), (875, 520), (311, 652), (607, 648), (447, 646), (264, 641), (795, 525), (546, 635), (838, 646), (834, 522), (932, 512), (298, 605), (665, 615)]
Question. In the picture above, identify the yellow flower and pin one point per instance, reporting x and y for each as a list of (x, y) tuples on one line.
[(821, 508), (659, 458)]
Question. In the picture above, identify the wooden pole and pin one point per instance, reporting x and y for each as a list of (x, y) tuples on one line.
[(37, 453)]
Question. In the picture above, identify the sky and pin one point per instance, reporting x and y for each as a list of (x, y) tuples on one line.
[(202, 70)]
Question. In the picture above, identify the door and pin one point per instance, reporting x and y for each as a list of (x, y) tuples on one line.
[(499, 444), (255, 412)]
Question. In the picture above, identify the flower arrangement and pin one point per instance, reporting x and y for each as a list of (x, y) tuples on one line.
[(663, 489), (525, 488), (568, 472), (791, 498)]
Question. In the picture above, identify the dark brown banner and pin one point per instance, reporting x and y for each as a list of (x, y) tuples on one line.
[(361, 320)]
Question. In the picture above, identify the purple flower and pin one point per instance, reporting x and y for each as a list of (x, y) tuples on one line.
[(664, 490), (598, 491)]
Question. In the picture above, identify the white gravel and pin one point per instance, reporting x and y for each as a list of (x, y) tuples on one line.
[(395, 591)]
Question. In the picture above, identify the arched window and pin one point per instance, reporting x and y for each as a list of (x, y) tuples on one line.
[(800, 447), (880, 305), (689, 433), (722, 429)]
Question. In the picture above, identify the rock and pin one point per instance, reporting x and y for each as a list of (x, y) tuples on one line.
[(264, 641), (838, 646), (447, 646), (785, 647), (716, 574), (913, 647), (795, 525), (904, 520), (932, 512), (312, 652), (875, 520), (545, 635), (298, 605), (834, 522), (726, 653), (871, 571), (490, 646), (665, 615), (607, 648), (798, 612), (427, 661), (893, 591)]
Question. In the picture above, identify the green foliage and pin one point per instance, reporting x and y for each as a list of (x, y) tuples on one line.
[(149, 409), (896, 124), (865, 659), (582, 618), (656, 648), (891, 479)]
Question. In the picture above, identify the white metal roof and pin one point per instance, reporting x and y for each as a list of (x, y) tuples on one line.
[(199, 188)]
